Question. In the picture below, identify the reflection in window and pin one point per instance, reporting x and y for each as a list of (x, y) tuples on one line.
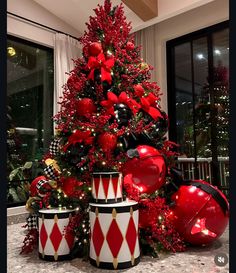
[(198, 101), (29, 111)]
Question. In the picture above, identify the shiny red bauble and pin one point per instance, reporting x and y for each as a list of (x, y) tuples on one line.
[(85, 107), (130, 46), (33, 186), (197, 215), (147, 171), (95, 49), (107, 141)]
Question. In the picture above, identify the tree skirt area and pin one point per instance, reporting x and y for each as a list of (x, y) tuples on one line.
[(193, 260)]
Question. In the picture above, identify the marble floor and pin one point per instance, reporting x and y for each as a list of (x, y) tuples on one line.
[(194, 260)]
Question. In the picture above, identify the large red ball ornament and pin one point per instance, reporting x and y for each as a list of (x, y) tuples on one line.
[(147, 170), (95, 49), (85, 106), (107, 141), (200, 213)]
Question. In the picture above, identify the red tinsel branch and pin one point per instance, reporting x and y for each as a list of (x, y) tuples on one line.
[(30, 241)]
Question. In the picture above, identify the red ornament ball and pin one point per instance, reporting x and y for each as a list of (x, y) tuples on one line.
[(130, 46), (95, 49), (73, 83), (138, 90), (107, 141), (70, 185), (85, 107), (200, 213), (147, 169), (33, 186)]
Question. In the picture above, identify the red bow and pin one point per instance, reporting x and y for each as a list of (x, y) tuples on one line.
[(79, 137), (149, 105), (105, 65), (123, 98)]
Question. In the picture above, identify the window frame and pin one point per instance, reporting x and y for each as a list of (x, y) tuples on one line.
[(47, 48), (171, 88)]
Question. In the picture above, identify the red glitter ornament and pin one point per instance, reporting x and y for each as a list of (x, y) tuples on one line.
[(85, 107), (130, 46), (147, 170), (95, 49), (200, 213), (107, 141)]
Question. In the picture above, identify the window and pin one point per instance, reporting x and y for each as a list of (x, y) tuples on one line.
[(29, 112), (198, 99)]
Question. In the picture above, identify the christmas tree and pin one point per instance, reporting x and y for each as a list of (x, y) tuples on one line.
[(111, 120)]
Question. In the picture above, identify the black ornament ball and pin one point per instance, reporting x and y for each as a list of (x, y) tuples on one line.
[(75, 153), (122, 114)]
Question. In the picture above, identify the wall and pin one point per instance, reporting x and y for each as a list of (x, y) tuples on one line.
[(31, 10), (204, 16)]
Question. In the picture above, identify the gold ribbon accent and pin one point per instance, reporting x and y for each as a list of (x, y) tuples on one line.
[(115, 263), (114, 213)]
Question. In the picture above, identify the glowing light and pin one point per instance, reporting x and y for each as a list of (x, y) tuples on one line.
[(217, 51), (141, 189), (200, 56), (11, 51)]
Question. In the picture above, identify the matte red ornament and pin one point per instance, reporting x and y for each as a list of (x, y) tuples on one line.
[(130, 46), (85, 106), (33, 186), (197, 216), (70, 185), (95, 48), (107, 141), (147, 171)]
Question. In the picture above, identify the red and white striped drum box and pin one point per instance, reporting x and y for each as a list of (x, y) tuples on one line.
[(114, 240), (53, 245), (107, 187)]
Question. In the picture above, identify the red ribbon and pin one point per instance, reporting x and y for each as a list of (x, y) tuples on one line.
[(79, 137), (148, 104), (123, 98), (105, 65)]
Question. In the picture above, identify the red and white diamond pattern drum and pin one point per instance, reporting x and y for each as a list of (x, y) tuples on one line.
[(114, 235), (53, 244), (107, 187)]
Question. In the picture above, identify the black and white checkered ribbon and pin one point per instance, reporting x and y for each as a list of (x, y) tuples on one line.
[(51, 172), (32, 221), (41, 187), (54, 146)]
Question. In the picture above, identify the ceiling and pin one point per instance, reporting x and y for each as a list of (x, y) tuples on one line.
[(76, 12)]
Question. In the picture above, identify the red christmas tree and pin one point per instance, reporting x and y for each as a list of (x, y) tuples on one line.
[(110, 119)]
